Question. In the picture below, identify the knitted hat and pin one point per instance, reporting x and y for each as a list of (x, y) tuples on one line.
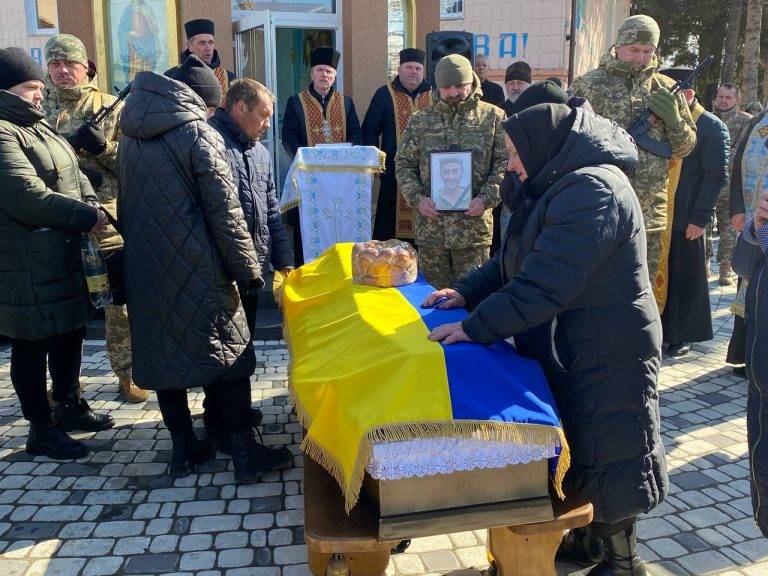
[(678, 74), (638, 29), (546, 92), (66, 47), (453, 70), (200, 26), (198, 75), (412, 55), (324, 56), (17, 67), (518, 71)]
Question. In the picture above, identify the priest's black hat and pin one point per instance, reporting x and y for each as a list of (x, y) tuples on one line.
[(518, 71), (199, 26), (324, 56), (412, 55)]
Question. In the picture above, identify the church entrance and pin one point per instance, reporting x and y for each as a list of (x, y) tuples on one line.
[(274, 48)]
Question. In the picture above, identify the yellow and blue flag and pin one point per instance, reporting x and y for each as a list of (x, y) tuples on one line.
[(363, 371)]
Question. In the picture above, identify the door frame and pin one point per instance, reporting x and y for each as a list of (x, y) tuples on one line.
[(270, 21)]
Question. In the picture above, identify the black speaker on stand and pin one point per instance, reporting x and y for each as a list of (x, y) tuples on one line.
[(446, 42)]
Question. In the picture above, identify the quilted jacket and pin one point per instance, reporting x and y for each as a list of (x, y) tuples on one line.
[(42, 213), (186, 241), (571, 286)]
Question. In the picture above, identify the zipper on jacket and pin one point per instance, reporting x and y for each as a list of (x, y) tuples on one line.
[(753, 382)]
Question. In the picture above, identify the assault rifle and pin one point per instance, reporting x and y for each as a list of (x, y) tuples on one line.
[(639, 130), (102, 113)]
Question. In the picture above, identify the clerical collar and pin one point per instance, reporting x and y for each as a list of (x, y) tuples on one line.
[(322, 99)]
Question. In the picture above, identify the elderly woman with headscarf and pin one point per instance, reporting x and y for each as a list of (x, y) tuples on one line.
[(570, 285)]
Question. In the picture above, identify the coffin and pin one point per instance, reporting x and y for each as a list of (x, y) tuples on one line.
[(443, 503)]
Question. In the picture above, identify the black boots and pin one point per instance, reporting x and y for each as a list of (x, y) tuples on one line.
[(51, 440), (219, 435), (79, 416), (250, 458), (581, 548), (188, 452), (621, 557), (678, 349)]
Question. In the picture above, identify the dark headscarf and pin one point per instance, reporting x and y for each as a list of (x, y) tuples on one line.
[(539, 134), (546, 92)]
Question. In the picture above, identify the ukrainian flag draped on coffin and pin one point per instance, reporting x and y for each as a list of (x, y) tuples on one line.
[(363, 371)]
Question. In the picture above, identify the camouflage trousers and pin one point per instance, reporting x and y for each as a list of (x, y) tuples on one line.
[(118, 339), (441, 267), (728, 236), (653, 247)]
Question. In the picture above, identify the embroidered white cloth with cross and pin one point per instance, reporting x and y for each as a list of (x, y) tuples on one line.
[(331, 185)]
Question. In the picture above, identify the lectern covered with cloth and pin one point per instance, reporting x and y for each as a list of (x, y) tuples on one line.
[(332, 186)]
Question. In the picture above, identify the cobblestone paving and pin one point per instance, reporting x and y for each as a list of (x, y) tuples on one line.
[(116, 512)]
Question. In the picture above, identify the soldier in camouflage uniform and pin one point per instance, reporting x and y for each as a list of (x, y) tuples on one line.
[(71, 97), (622, 87), (727, 109), (451, 243)]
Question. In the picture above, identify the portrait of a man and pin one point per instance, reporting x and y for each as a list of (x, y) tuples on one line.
[(451, 180)]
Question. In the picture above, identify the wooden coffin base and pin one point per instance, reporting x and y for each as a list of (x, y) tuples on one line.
[(350, 545)]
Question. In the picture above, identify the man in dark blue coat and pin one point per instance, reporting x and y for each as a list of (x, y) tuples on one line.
[(318, 115), (687, 317), (750, 262), (245, 117), (383, 127)]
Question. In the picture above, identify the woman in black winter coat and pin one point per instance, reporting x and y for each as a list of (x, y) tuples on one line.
[(46, 204), (571, 285)]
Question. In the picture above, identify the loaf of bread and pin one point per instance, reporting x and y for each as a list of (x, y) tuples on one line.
[(384, 263)]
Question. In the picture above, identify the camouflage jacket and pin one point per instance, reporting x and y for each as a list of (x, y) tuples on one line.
[(620, 94), (738, 127), (471, 125), (67, 109)]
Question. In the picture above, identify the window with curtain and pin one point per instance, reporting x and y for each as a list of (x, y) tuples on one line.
[(451, 9), (42, 17)]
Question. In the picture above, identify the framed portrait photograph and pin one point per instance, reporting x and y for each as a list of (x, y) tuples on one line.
[(451, 180)]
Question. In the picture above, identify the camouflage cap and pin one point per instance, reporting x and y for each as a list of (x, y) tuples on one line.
[(638, 29), (66, 47)]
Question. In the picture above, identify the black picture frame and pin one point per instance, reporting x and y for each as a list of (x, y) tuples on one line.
[(440, 167)]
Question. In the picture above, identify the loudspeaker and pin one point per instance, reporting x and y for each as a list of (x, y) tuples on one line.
[(446, 42)]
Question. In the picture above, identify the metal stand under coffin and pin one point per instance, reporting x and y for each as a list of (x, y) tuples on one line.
[(444, 503)]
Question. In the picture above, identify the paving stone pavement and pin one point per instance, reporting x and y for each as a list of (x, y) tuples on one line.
[(116, 512)]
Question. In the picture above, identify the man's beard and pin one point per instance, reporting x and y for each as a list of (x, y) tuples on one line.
[(514, 96), (453, 100)]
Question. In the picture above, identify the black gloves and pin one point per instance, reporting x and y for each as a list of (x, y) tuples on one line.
[(252, 288), (89, 139)]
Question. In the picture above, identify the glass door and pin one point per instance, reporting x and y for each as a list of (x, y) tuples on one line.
[(254, 57), (273, 48)]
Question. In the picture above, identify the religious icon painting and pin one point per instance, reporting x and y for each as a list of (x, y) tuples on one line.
[(133, 36), (451, 177)]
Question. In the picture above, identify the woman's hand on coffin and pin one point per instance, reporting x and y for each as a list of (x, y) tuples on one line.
[(427, 208), (444, 299), (476, 208), (449, 334)]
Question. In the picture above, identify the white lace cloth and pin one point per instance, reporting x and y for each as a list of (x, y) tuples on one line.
[(426, 457)]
